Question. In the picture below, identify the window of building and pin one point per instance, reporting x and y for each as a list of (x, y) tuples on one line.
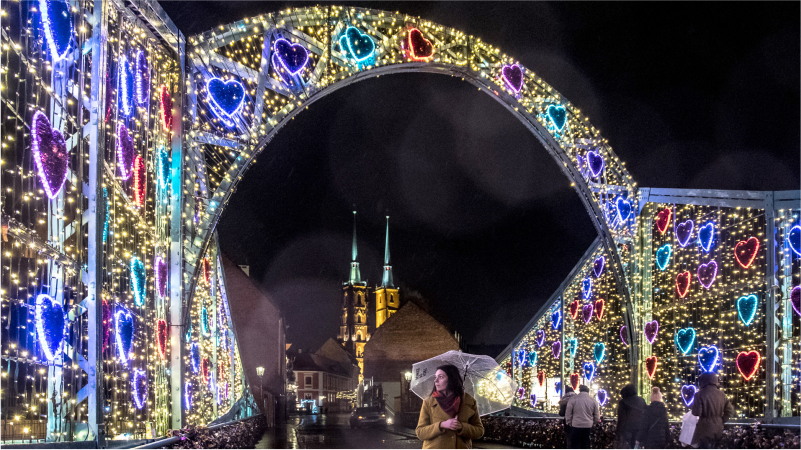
[(308, 397), (308, 380)]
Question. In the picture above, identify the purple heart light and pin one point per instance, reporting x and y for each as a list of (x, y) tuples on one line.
[(49, 316), (160, 272), (540, 338), (651, 330), (556, 348), (139, 387), (596, 163), (586, 312), (292, 57), (707, 273), (795, 299), (688, 394), (513, 77), (50, 154), (624, 331), (684, 231), (598, 266), (533, 398), (125, 151), (601, 396), (142, 81)]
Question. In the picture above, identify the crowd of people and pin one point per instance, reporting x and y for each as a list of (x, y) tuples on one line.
[(646, 426)]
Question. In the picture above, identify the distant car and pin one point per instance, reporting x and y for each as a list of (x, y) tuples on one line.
[(369, 416)]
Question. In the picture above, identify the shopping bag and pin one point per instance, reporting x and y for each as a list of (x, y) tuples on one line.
[(688, 423)]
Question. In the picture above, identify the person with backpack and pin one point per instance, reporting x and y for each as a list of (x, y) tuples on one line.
[(629, 416), (569, 393), (655, 428)]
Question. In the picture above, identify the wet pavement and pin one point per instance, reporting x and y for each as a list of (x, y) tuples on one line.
[(333, 431)]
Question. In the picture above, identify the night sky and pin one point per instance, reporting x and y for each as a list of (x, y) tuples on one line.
[(483, 223)]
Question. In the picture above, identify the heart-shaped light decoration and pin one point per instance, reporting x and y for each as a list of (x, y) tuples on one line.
[(541, 377), (651, 330), (160, 272), (162, 168), (601, 397), (795, 299), (291, 57), (706, 235), (357, 44), (139, 181), (586, 287), (688, 393), (125, 151), (586, 312), (226, 98), (532, 358), (556, 348), (746, 251), (556, 319), (513, 77), (599, 352), (599, 308), (650, 366), (138, 278), (708, 358), (50, 154), (204, 322), (106, 215), (748, 364), (572, 347), (794, 239), (139, 387), (533, 398), (623, 207), (747, 308), (420, 48), (663, 220), (598, 266), (558, 115), (57, 22), (683, 284), (573, 308), (595, 162), (106, 324), (540, 338), (685, 338), (624, 331), (205, 368), (194, 357), (124, 330), (142, 73), (663, 256), (165, 108), (589, 370), (206, 271), (558, 387), (522, 357), (574, 381), (521, 393), (50, 326), (161, 337), (125, 87), (684, 231), (707, 273), (188, 395)]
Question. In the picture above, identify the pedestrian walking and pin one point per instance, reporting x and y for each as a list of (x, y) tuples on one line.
[(569, 393), (655, 428), (449, 416), (629, 414), (582, 413), (713, 410)]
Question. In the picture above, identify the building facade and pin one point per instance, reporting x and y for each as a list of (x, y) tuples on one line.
[(387, 297), (321, 377)]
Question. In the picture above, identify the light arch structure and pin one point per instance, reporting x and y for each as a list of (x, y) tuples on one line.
[(223, 144)]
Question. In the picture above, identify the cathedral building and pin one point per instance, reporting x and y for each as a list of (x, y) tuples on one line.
[(387, 300)]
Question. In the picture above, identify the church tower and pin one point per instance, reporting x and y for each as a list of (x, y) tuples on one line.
[(387, 300), (353, 332)]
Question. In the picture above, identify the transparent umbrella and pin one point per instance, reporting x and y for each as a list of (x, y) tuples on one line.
[(483, 379)]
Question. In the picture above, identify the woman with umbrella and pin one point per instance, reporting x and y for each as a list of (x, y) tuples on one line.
[(449, 416)]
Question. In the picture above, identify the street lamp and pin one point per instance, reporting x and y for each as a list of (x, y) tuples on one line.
[(260, 374)]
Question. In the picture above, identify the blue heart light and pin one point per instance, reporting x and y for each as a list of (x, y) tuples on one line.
[(532, 358), (589, 370), (599, 351), (623, 207), (684, 339), (521, 357), (139, 387), (601, 396), (50, 325), (533, 398), (292, 57), (708, 358), (357, 44), (586, 287), (124, 330), (57, 22), (194, 357), (142, 72), (204, 322), (125, 87), (226, 98), (558, 115), (163, 167), (105, 215), (794, 239), (663, 256), (138, 278), (705, 236), (747, 308), (688, 393), (572, 347), (556, 319), (596, 163), (188, 395), (558, 387)]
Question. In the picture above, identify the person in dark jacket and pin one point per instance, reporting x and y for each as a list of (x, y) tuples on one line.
[(655, 428), (569, 393), (713, 410), (629, 414)]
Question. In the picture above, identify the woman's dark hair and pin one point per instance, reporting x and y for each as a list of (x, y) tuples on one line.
[(455, 383)]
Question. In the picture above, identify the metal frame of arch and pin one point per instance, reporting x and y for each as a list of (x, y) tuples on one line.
[(318, 30)]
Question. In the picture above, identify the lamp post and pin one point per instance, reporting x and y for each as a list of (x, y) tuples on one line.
[(408, 377), (260, 374)]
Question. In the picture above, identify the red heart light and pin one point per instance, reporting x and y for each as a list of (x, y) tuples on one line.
[(573, 309), (541, 377), (574, 381), (420, 48), (204, 368), (650, 366), (161, 337), (165, 111), (748, 363), (683, 283), (140, 181), (663, 220), (746, 252), (599, 308), (206, 270)]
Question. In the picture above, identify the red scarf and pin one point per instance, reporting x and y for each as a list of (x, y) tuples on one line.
[(450, 404)]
